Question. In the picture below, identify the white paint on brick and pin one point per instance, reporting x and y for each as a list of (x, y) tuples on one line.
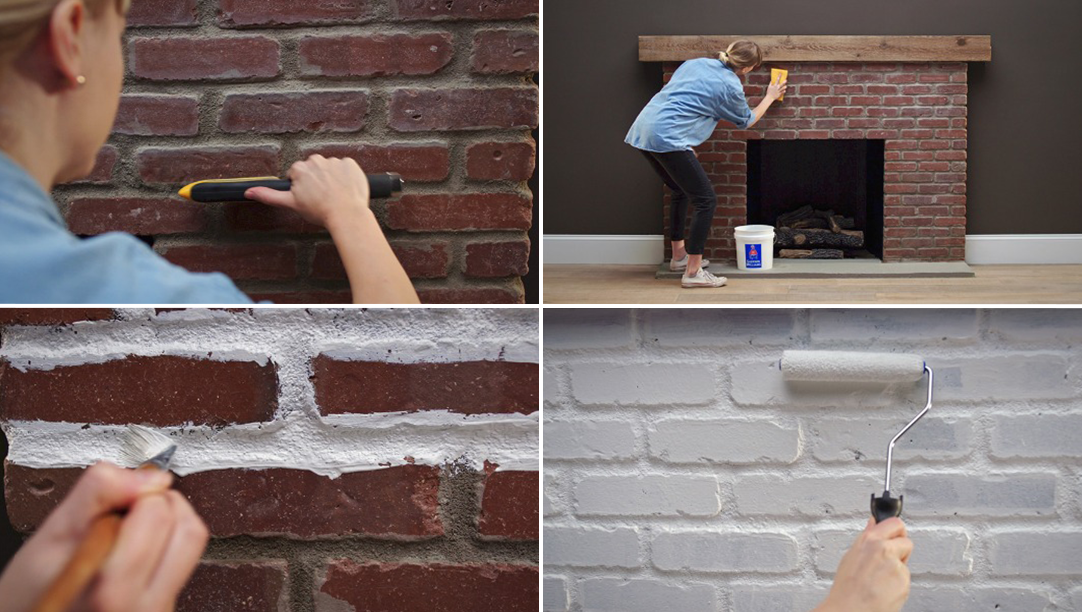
[(591, 547), (1016, 376), (865, 440), (550, 503), (705, 327), (1026, 553), (944, 552), (727, 441), (822, 496), (637, 595), (643, 383), (299, 437), (1046, 326), (935, 598), (968, 494), (874, 326), (574, 328), (648, 496), (1037, 435), (598, 440), (554, 594), (710, 551), (777, 599)]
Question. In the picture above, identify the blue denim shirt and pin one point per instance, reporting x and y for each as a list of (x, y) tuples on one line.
[(41, 262), (685, 112)]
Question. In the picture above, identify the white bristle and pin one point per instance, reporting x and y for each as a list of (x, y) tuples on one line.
[(845, 366), (142, 444)]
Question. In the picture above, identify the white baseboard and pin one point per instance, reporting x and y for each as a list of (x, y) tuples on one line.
[(1024, 249), (650, 249)]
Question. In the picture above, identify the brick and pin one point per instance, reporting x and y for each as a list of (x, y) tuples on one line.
[(506, 52), (153, 115), (777, 599), (415, 110), (509, 508), (158, 391), (865, 440), (204, 59), (939, 552), (410, 10), (1033, 554), (1037, 435), (434, 587), (645, 595), (1038, 326), (589, 547), (643, 384), (498, 259), (728, 441), (466, 387), (575, 328), (238, 261), (162, 13), (983, 379), (950, 494), (718, 327), (239, 13), (182, 166), (104, 163), (554, 594), (313, 112), (807, 496), (244, 217), (261, 586), (594, 440), (553, 505), (52, 316), (501, 161), (423, 162), (377, 55), (446, 212), (711, 551), (1000, 599), (762, 384), (430, 260), (472, 295), (342, 296), (648, 496), (140, 216)]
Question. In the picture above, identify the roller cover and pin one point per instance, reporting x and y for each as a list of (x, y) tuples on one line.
[(851, 367)]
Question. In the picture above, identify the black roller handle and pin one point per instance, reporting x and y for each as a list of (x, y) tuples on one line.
[(886, 506), (233, 190)]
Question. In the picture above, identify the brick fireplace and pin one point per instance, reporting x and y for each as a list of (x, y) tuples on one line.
[(913, 111)]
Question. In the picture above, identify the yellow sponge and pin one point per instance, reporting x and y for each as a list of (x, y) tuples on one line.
[(777, 75)]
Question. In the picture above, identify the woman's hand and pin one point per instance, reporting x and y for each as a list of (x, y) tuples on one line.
[(776, 90), (325, 191), (160, 542), (873, 576)]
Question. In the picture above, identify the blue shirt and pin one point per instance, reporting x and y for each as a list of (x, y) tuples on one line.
[(685, 112), (41, 262)]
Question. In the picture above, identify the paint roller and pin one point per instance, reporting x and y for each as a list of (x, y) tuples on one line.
[(849, 367)]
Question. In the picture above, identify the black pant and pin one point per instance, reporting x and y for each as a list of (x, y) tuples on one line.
[(684, 175)]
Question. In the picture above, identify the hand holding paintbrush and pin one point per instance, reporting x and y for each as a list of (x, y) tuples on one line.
[(88, 552)]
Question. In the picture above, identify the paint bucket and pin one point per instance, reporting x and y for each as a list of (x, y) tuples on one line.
[(754, 247)]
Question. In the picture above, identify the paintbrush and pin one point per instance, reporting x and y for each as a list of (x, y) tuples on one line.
[(142, 447)]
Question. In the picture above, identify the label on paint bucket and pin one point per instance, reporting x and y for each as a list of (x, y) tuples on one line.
[(753, 255)]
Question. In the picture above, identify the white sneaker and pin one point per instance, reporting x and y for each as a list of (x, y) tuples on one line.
[(679, 265), (702, 279)]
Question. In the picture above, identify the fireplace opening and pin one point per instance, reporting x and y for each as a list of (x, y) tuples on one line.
[(824, 197)]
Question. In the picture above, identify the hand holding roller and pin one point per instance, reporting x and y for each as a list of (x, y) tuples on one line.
[(863, 368), (233, 190)]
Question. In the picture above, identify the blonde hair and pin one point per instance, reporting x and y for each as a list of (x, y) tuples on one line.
[(22, 20), (742, 54)]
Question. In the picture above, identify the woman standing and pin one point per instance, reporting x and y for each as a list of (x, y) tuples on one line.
[(683, 115)]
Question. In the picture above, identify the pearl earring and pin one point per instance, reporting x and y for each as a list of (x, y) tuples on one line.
[(81, 80)]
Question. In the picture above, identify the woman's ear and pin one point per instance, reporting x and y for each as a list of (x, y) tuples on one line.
[(63, 40)]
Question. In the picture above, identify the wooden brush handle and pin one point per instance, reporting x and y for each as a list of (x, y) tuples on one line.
[(83, 566)]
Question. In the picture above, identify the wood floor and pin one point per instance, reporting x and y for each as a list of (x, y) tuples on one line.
[(1036, 284)]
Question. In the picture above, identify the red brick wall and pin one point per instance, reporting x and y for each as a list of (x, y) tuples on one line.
[(918, 109), (447, 537), (440, 92)]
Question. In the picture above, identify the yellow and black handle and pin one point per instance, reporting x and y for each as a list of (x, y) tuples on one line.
[(233, 190)]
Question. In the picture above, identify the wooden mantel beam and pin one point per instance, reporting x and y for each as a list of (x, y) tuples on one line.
[(824, 48)]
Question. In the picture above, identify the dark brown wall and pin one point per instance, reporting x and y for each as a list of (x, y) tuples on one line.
[(1025, 106)]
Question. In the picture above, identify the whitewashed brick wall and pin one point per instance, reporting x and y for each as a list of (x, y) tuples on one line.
[(682, 473)]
